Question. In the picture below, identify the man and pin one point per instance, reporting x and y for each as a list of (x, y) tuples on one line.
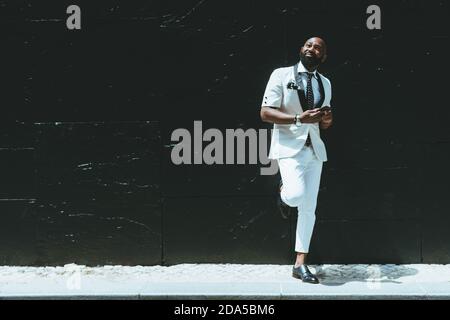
[(297, 101)]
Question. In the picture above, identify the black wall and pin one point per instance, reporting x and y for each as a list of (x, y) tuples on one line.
[(87, 115)]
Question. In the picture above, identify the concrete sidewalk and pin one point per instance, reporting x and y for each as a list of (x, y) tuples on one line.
[(225, 281)]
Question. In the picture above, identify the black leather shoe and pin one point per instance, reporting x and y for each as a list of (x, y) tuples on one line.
[(285, 210), (304, 274)]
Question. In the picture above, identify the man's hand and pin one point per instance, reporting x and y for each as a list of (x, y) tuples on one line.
[(327, 120), (311, 116)]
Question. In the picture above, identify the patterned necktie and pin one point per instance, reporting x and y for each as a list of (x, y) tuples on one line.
[(309, 92)]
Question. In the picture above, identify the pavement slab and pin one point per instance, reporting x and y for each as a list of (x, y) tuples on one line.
[(225, 281)]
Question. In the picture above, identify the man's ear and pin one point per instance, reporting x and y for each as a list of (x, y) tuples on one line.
[(324, 57)]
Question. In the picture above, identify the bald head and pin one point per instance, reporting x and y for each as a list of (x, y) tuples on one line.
[(313, 53)]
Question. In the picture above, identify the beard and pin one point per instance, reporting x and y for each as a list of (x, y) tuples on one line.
[(310, 62)]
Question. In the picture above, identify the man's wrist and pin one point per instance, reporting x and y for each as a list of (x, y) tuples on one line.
[(297, 120)]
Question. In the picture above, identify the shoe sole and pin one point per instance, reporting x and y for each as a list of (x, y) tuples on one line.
[(285, 211), (280, 204), (296, 276), (283, 215)]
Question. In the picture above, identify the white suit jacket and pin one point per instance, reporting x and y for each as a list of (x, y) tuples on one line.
[(288, 139)]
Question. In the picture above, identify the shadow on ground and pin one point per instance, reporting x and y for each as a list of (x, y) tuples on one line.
[(334, 275)]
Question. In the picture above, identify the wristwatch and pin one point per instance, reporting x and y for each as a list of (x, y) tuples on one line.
[(297, 120)]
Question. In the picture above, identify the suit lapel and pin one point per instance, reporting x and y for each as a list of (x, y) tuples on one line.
[(301, 89), (321, 89)]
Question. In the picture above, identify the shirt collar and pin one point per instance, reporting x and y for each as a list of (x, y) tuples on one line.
[(301, 68)]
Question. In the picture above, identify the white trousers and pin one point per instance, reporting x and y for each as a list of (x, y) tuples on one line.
[(301, 180)]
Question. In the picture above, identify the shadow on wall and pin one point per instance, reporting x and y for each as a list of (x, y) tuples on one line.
[(334, 275)]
